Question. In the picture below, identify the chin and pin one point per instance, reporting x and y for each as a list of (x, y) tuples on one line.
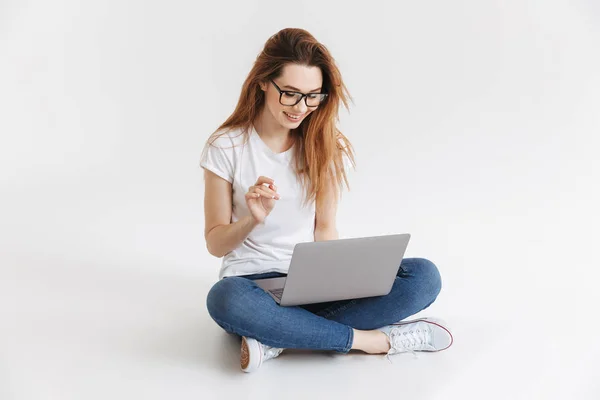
[(290, 124), (294, 124)]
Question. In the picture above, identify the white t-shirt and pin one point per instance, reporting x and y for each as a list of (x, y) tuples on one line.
[(269, 246)]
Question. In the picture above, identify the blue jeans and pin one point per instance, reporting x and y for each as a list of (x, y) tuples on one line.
[(239, 306)]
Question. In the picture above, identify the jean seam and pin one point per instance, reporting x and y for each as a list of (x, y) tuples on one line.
[(260, 339), (348, 346)]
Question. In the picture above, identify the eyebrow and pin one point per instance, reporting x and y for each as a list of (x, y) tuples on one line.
[(295, 88)]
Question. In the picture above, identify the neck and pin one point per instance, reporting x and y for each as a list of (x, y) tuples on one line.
[(270, 130)]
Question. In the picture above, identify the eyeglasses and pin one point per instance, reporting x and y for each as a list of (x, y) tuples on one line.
[(290, 98)]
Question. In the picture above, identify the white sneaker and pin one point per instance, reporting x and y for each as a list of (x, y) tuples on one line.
[(254, 353), (423, 334)]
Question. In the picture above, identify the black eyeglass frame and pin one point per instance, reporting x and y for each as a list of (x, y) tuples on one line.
[(302, 96)]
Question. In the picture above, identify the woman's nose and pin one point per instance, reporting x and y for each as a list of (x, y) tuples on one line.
[(301, 107)]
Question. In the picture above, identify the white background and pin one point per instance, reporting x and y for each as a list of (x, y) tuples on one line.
[(476, 127)]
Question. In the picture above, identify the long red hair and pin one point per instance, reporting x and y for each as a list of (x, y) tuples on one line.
[(319, 144)]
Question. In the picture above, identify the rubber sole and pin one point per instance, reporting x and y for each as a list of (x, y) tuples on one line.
[(250, 355)]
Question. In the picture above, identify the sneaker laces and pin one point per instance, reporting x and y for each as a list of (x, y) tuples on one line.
[(270, 352), (403, 340)]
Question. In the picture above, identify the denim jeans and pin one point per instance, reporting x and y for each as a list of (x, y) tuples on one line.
[(239, 306)]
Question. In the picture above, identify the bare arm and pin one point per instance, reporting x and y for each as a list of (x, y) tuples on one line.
[(220, 234)]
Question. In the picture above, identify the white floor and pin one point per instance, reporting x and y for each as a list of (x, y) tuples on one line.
[(94, 332), (476, 129)]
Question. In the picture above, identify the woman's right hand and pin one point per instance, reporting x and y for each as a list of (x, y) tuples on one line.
[(261, 198)]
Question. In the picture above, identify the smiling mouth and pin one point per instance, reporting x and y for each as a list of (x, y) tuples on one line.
[(293, 116)]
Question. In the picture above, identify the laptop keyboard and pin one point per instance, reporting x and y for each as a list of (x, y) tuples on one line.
[(277, 292)]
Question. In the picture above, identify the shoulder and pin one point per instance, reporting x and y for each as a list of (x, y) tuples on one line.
[(221, 152), (227, 138)]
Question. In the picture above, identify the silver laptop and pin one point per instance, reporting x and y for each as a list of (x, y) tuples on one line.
[(339, 270)]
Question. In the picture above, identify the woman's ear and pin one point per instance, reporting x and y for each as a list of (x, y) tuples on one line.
[(263, 86)]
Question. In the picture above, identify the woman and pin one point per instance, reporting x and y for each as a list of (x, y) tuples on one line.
[(274, 171)]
